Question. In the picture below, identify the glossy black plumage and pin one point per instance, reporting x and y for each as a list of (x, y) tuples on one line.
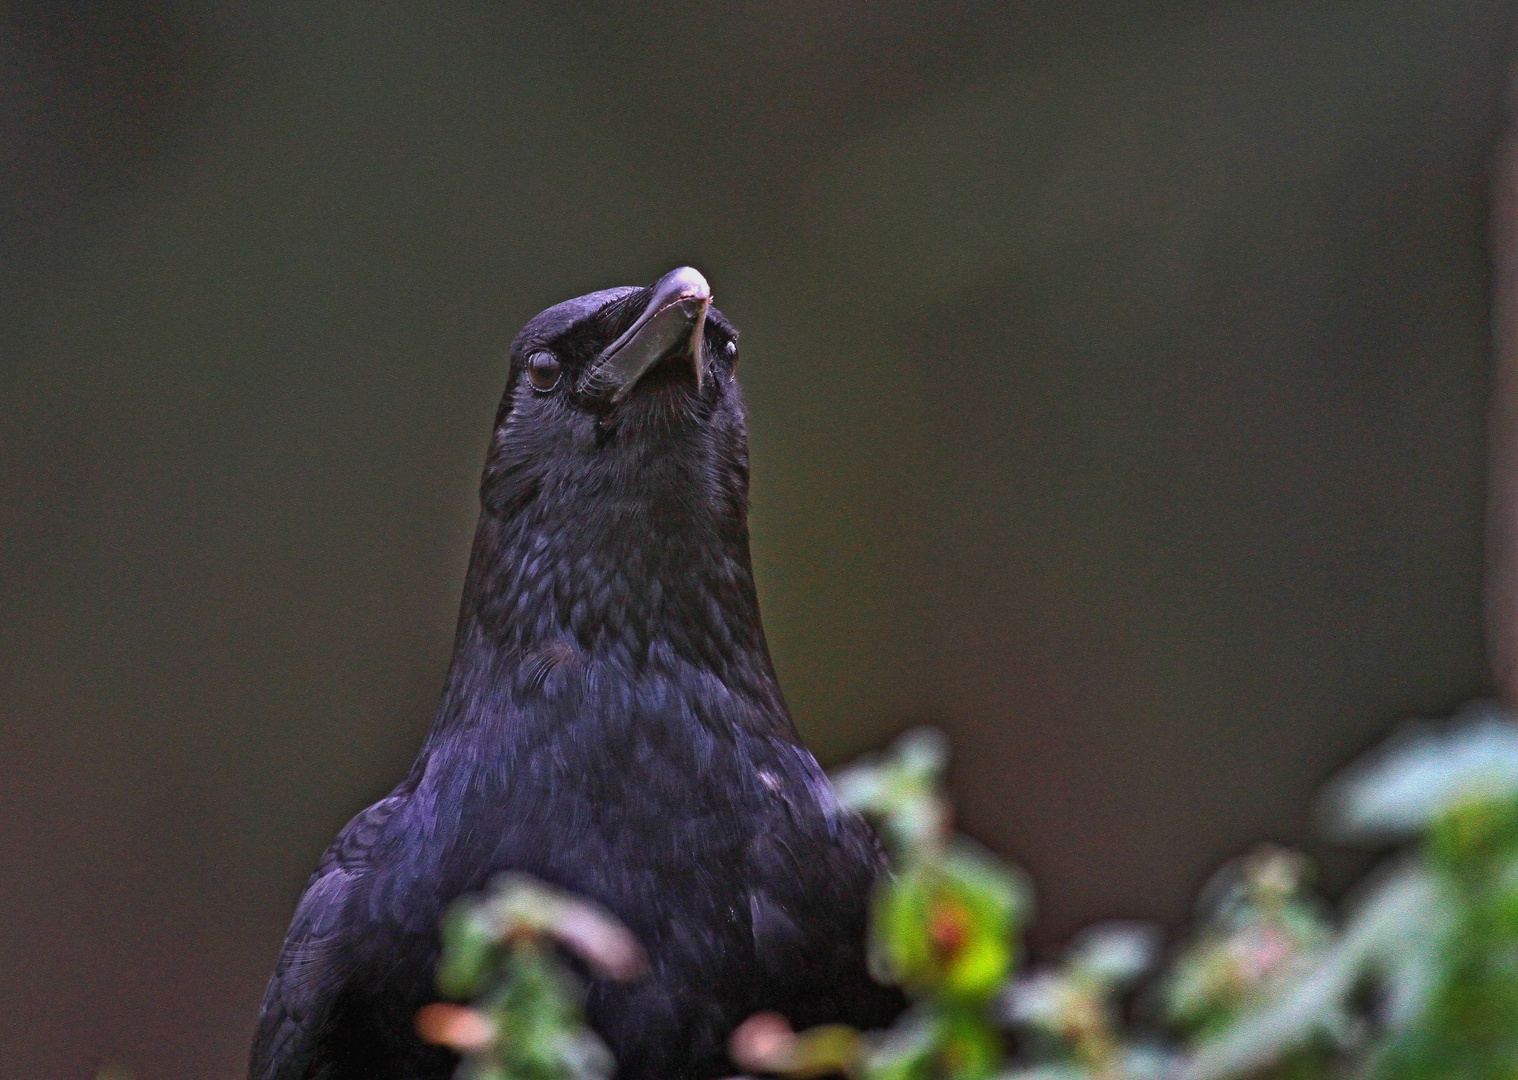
[(610, 722)]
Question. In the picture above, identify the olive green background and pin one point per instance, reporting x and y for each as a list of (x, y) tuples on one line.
[(1115, 374)]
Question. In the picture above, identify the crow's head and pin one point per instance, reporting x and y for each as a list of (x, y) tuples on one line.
[(613, 397), (615, 490)]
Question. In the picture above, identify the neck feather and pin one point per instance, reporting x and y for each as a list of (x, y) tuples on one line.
[(610, 601)]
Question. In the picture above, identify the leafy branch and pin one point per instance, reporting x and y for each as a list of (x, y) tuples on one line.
[(1420, 982)]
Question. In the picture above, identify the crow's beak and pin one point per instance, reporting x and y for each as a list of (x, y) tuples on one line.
[(672, 324)]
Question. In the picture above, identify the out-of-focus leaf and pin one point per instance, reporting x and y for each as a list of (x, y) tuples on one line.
[(521, 904), (1038, 1001), (1071, 1011), (969, 1048), (906, 1051), (947, 927), (1148, 1063), (1400, 789), (900, 790), (456, 1026), (605, 944), (1504, 895), (765, 1043), (526, 1021), (1401, 918), (1116, 953), (469, 941), (1259, 928), (1473, 831), (1052, 1071), (1137, 1063)]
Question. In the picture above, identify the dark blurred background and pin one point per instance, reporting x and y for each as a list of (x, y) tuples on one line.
[(1116, 382)]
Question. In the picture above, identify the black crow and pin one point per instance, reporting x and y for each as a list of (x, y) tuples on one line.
[(611, 723)]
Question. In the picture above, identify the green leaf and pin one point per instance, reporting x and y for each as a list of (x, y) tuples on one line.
[(469, 944), (948, 928)]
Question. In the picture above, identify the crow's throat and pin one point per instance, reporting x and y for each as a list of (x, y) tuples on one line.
[(553, 604)]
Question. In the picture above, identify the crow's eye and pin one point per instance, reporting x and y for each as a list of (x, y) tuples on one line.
[(543, 371), (731, 350)]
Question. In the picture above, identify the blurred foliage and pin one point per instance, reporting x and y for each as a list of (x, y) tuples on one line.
[(525, 1021), (1418, 982)]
